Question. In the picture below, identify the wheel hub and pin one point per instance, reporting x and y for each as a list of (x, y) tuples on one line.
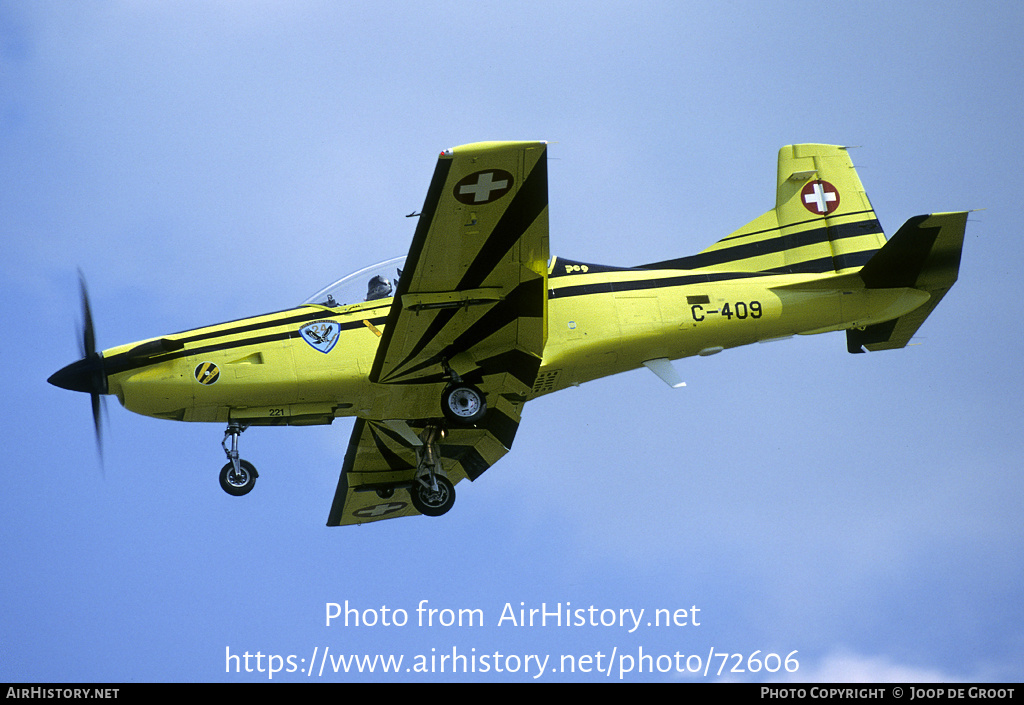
[(464, 403), (434, 498)]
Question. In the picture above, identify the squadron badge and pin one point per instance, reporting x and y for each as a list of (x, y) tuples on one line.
[(322, 335)]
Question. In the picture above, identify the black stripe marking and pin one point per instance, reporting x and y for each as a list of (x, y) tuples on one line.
[(473, 464), (775, 245), (526, 300), (521, 365), (871, 335), (529, 202), (305, 315), (902, 262), (643, 284), (426, 219), (500, 425), (441, 319), (823, 265), (816, 266), (341, 491), (123, 362), (393, 459), (797, 224)]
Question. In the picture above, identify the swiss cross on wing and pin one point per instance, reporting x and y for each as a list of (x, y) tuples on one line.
[(379, 510), (482, 187), (820, 197)]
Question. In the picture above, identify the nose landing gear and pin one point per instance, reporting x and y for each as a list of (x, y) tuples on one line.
[(238, 477)]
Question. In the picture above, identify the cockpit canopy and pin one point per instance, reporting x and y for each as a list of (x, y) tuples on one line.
[(377, 281)]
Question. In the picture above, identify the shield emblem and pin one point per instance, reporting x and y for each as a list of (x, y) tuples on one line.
[(321, 335)]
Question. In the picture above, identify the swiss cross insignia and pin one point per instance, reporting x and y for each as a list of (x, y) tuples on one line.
[(482, 187), (820, 197), (379, 510)]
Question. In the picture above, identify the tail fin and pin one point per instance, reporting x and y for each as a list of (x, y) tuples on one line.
[(822, 221), (924, 254)]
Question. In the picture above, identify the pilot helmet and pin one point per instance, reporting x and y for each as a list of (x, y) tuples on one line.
[(378, 289)]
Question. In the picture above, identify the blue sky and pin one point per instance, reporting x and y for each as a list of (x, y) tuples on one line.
[(207, 161)]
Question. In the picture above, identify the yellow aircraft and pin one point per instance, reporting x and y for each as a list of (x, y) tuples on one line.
[(436, 353)]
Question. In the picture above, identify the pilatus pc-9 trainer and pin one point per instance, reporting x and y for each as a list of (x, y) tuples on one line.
[(437, 353)]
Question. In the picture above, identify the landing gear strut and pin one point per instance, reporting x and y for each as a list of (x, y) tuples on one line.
[(238, 477), (432, 493)]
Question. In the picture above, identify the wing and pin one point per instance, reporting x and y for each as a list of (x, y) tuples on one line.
[(381, 458), (471, 299), (374, 460), (475, 281)]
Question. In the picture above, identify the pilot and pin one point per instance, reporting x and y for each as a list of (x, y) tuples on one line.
[(378, 289)]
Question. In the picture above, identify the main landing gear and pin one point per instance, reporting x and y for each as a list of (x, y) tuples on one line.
[(238, 477), (461, 402), (432, 493)]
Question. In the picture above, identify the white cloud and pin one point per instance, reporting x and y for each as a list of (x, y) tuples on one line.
[(846, 667)]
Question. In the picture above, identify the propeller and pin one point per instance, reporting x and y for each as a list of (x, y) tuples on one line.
[(88, 374)]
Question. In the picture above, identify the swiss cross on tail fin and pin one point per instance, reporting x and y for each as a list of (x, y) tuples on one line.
[(820, 197)]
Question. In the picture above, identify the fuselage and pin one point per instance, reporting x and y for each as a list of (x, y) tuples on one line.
[(311, 364)]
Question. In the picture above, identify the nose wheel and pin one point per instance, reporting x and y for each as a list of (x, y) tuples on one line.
[(238, 482), (238, 477)]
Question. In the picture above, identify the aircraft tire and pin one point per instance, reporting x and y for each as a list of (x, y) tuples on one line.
[(430, 503), (241, 484), (463, 404)]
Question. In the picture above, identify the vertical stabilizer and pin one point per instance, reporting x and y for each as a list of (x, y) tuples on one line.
[(822, 221)]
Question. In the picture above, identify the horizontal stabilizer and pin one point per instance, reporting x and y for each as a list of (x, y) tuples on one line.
[(924, 254)]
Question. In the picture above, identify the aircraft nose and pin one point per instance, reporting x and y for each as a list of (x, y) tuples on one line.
[(86, 375)]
